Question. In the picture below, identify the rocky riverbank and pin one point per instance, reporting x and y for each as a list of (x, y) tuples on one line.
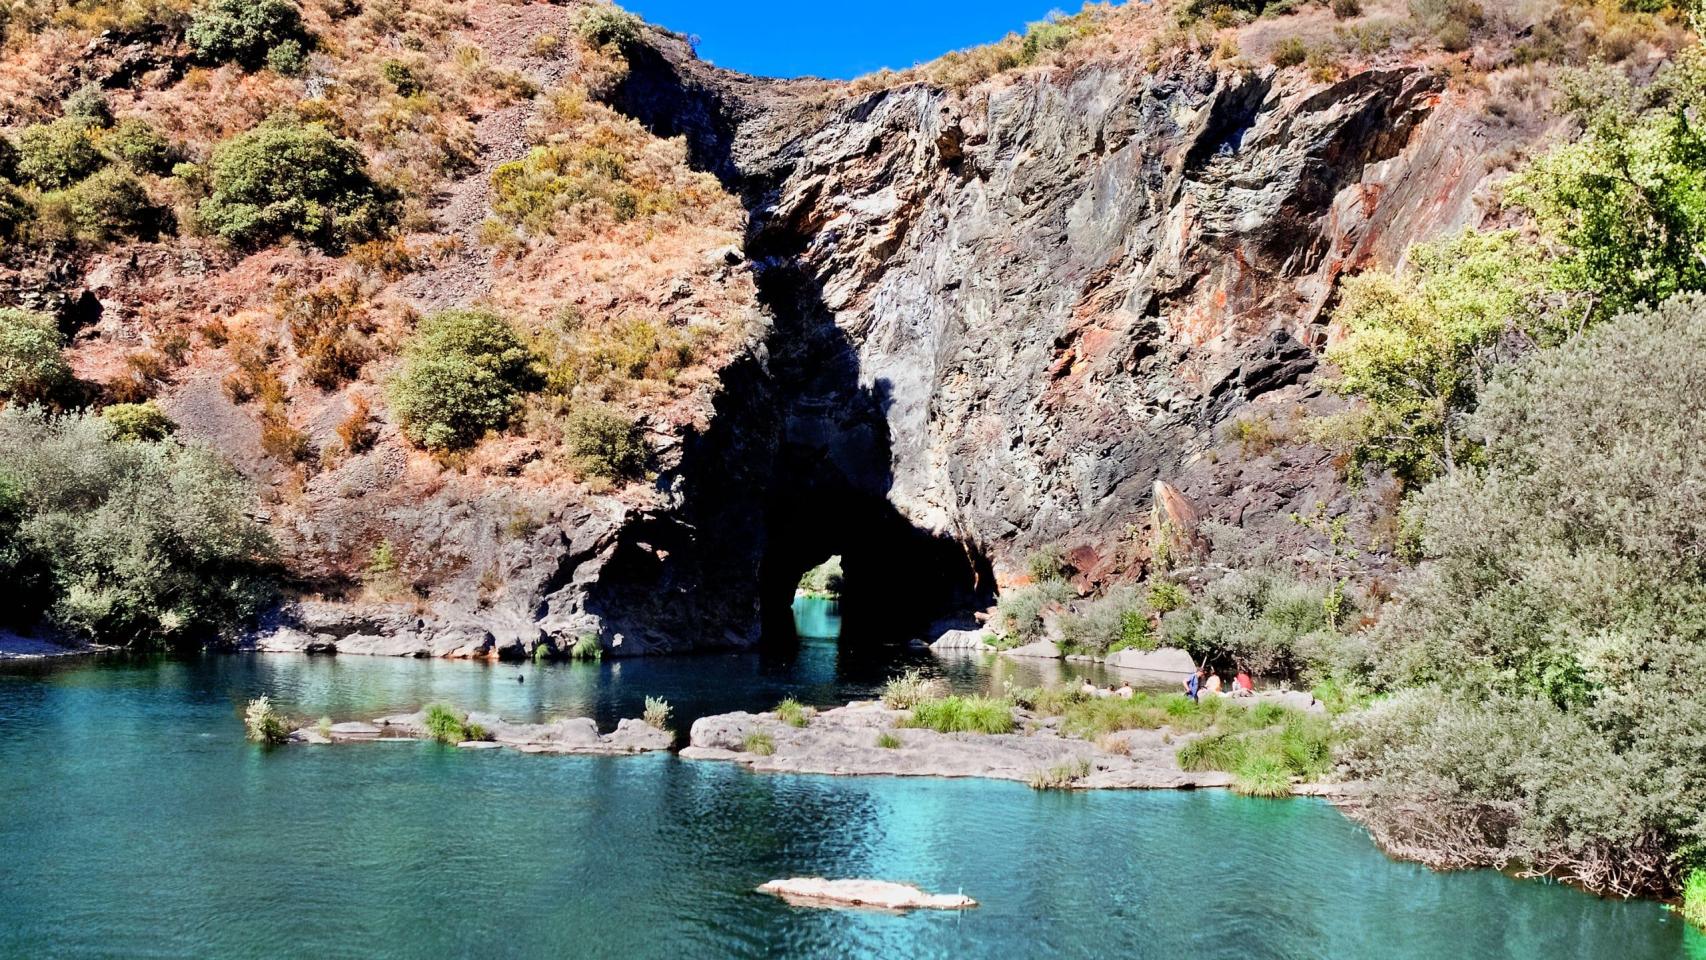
[(16, 647), (568, 735), (865, 738)]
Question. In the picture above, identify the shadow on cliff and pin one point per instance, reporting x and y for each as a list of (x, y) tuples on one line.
[(796, 466)]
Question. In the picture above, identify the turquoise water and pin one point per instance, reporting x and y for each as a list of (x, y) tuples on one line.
[(817, 618), (136, 822)]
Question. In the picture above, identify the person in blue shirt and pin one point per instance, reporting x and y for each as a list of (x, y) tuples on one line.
[(1193, 683)]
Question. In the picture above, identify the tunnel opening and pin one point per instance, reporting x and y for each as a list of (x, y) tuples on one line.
[(832, 473)]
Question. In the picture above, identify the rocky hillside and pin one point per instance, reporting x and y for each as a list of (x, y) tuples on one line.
[(930, 321)]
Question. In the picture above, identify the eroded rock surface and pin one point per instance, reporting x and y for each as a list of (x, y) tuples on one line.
[(569, 735)]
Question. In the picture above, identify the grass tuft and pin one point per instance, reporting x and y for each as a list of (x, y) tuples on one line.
[(1694, 898), (793, 713), (444, 725), (888, 741), (657, 713), (760, 743), (912, 688), (1062, 776), (957, 714)]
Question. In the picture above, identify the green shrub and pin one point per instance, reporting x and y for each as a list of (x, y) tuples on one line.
[(1166, 596), (135, 142), (16, 213), (88, 104), (956, 714), (243, 31), (287, 57), (1062, 776), (1264, 760), (606, 443), (793, 713), (56, 155), (1047, 564), (1289, 53), (912, 688), (401, 77), (32, 367), (139, 421), (1262, 620), (760, 743), (140, 542), (888, 741), (608, 27), (288, 179), (463, 374), (1020, 612), (444, 725), (657, 713), (1110, 623), (265, 724), (108, 205), (586, 647)]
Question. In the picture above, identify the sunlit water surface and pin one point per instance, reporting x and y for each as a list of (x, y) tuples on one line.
[(136, 822)]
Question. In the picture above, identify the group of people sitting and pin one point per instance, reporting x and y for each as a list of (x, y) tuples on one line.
[(1124, 691), (1207, 682)]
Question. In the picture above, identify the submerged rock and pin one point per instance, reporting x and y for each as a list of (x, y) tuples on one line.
[(875, 894)]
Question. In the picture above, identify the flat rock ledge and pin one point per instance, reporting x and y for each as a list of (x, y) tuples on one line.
[(843, 742), (870, 894), (571, 735)]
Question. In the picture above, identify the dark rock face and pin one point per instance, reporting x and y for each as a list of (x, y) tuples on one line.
[(996, 319)]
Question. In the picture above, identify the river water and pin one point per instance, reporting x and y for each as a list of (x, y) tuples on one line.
[(136, 822)]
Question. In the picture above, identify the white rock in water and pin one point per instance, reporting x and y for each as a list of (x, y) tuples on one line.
[(875, 894), (963, 640)]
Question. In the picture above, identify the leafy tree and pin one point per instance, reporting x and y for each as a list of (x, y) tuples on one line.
[(286, 178), (146, 542), (16, 212), (1419, 346), (58, 154), (1564, 590), (463, 374), (1627, 200), (244, 31), (32, 368)]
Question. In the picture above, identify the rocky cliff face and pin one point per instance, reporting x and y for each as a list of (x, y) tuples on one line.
[(994, 319)]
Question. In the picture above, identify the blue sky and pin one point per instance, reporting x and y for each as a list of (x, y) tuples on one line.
[(792, 38)]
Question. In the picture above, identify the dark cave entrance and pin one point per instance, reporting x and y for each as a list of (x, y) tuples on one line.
[(823, 489), (830, 480)]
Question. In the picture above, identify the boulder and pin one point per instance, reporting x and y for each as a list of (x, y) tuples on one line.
[(1040, 650), (977, 640), (1168, 662), (723, 732)]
